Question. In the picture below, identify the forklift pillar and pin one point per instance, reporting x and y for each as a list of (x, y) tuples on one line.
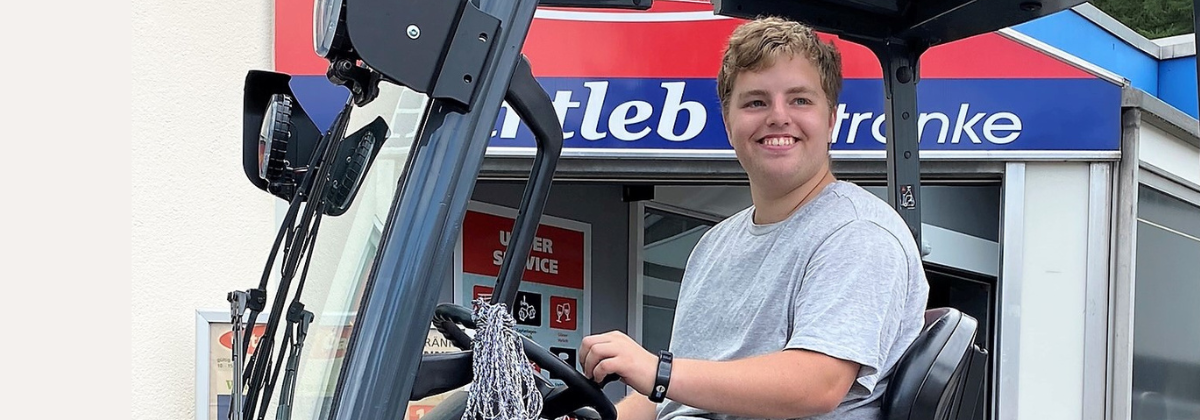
[(900, 74)]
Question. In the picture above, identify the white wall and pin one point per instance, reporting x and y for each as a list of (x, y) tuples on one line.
[(1053, 280), (1168, 152), (199, 228)]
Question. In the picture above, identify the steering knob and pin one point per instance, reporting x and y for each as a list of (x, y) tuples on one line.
[(447, 317)]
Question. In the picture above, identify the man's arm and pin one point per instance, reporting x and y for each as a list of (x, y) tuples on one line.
[(636, 407), (785, 384), (845, 329)]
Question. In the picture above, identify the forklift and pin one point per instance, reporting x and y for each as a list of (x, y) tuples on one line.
[(447, 67)]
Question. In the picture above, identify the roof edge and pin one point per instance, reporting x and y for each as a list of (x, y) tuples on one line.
[(1063, 56), (1177, 46), (1162, 114), (1118, 29)]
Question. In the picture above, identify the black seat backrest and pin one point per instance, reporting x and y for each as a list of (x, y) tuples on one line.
[(931, 378)]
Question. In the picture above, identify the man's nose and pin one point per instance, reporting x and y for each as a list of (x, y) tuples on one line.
[(778, 115)]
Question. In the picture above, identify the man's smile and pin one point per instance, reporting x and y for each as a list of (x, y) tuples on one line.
[(778, 142)]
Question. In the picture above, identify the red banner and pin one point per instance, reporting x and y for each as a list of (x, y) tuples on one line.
[(556, 257)]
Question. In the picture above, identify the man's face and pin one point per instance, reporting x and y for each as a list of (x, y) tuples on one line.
[(779, 123)]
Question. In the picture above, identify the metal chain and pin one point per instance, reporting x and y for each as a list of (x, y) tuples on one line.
[(504, 387)]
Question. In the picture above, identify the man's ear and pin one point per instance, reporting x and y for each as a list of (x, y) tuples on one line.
[(725, 122), (832, 123), (832, 137)]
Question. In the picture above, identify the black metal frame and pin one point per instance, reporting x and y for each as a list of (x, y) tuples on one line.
[(900, 64), (421, 232)]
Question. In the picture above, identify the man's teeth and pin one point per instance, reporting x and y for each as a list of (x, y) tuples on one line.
[(779, 141)]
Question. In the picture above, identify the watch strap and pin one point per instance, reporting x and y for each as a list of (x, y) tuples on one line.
[(662, 379)]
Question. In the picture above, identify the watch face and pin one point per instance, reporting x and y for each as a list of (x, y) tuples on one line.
[(325, 21), (658, 394)]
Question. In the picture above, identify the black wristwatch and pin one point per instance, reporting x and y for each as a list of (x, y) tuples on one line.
[(662, 380)]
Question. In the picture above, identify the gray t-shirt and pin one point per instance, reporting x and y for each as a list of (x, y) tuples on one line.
[(841, 276)]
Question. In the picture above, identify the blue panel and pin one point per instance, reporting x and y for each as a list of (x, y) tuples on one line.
[(958, 114), (1177, 84), (684, 114), (319, 98), (1072, 33)]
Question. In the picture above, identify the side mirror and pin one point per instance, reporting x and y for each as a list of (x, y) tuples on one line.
[(278, 137), (354, 157)]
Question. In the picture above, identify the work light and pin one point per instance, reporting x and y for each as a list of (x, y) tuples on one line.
[(273, 137), (327, 14)]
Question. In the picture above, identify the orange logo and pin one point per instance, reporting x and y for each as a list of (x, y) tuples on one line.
[(227, 339)]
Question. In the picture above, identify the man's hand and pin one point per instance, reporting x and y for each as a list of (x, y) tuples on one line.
[(636, 407), (615, 352)]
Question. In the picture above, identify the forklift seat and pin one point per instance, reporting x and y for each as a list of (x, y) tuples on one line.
[(939, 376)]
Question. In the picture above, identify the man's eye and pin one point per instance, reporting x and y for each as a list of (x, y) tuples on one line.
[(755, 104), (802, 101)]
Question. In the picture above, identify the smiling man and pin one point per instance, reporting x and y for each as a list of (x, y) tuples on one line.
[(800, 305)]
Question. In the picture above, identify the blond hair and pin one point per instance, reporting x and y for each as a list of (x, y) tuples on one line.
[(755, 45)]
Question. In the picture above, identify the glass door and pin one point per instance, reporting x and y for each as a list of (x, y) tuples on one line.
[(669, 234)]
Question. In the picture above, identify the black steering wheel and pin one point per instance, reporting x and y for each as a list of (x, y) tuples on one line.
[(577, 392)]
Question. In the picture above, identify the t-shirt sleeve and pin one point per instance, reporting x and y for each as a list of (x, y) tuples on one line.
[(849, 301)]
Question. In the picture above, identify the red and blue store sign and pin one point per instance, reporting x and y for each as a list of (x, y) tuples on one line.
[(646, 81)]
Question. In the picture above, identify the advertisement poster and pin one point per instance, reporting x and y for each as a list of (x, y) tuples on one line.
[(220, 365), (434, 343), (553, 304)]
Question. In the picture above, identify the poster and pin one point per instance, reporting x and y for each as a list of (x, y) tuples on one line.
[(553, 304), (220, 366), (214, 361), (434, 343)]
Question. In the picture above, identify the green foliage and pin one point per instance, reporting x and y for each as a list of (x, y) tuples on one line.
[(1151, 18)]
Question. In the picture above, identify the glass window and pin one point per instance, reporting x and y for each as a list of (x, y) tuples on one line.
[(344, 250), (1166, 339), (668, 240)]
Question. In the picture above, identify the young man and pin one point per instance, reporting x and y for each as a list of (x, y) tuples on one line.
[(800, 305)]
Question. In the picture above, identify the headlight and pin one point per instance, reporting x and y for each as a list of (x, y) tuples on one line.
[(278, 137), (273, 137), (326, 14)]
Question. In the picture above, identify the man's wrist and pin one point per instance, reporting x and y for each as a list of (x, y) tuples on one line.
[(662, 377)]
